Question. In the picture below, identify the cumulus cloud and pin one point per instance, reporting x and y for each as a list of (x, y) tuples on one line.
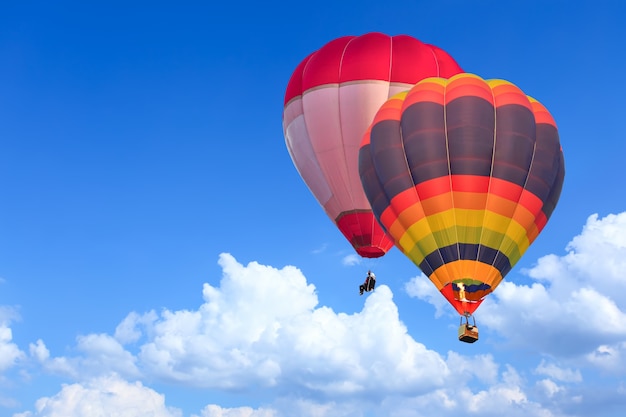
[(557, 382), (214, 410), (57, 365), (506, 395), (610, 359), (10, 353), (103, 396), (596, 258), (576, 306), (262, 330), (421, 287), (126, 332), (100, 353), (549, 387), (558, 373), (246, 335)]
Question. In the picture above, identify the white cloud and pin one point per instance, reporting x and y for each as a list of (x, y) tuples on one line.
[(262, 328), (8, 315), (576, 304), (351, 260), (549, 387), (610, 358), (558, 373), (421, 287), (57, 365), (505, 396), (579, 301), (111, 395), (10, 353), (245, 337), (321, 249), (126, 332), (481, 367), (100, 353), (39, 351), (103, 396), (214, 410), (595, 259)]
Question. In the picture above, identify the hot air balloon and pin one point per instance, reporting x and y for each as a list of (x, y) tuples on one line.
[(463, 174), (330, 101)]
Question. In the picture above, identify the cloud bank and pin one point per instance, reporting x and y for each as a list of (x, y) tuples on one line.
[(262, 330)]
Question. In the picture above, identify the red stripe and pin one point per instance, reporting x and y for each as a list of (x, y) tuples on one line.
[(466, 183), (461, 307)]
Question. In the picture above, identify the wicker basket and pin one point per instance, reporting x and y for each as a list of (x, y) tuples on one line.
[(468, 333)]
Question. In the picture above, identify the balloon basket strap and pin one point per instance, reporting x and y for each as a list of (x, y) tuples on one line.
[(468, 333)]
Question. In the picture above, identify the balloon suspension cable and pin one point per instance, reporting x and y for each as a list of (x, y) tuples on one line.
[(467, 317)]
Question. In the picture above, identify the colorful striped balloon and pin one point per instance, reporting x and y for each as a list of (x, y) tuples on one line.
[(330, 101), (464, 174)]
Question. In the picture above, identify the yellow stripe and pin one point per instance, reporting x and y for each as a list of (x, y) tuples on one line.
[(471, 235), (463, 226)]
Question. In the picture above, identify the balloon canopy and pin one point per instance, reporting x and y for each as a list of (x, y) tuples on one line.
[(330, 101), (463, 174)]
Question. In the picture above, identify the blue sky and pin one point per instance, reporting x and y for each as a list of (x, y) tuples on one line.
[(160, 255)]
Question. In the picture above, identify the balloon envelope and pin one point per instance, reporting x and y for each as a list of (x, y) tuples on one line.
[(330, 101), (463, 174)]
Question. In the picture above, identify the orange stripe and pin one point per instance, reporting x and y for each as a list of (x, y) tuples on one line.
[(406, 211), (463, 187), (399, 203), (542, 115), (405, 219), (465, 269), (470, 201), (508, 93), (510, 209), (468, 85), (387, 113), (428, 89), (437, 204), (390, 110), (512, 97), (533, 232), (478, 201), (424, 96)]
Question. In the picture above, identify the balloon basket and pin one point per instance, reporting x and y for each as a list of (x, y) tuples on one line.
[(468, 333)]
